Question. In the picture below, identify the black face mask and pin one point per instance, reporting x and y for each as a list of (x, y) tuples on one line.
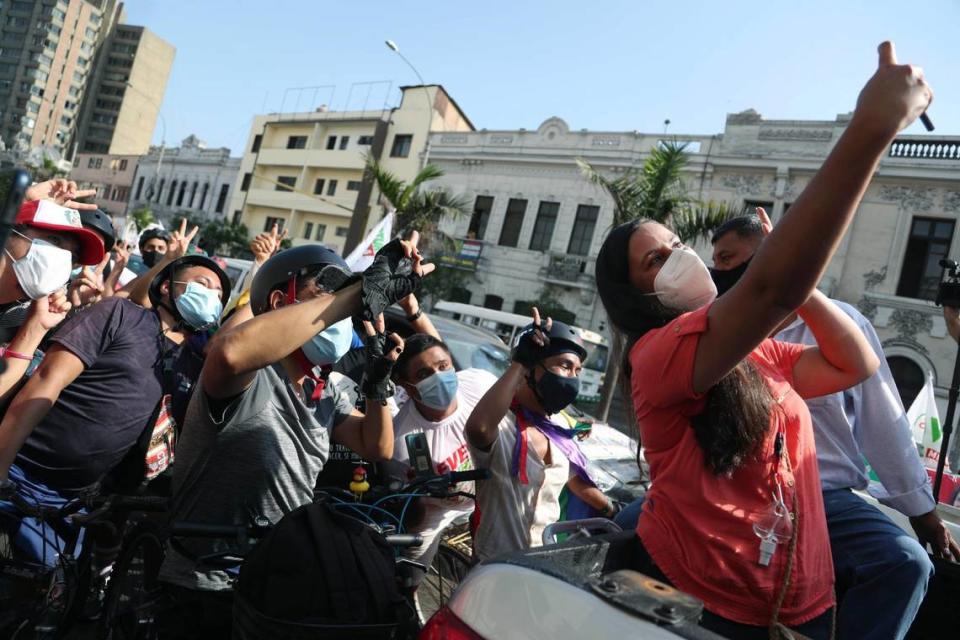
[(150, 258), (556, 392), (726, 279)]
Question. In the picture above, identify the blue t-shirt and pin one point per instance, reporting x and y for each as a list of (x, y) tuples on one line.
[(100, 415)]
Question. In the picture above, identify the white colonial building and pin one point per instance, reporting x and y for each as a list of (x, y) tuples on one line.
[(541, 223), (186, 180)]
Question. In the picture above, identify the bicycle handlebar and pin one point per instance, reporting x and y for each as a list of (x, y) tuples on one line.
[(405, 539)]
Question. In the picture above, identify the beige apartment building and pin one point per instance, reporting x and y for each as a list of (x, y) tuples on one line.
[(305, 171), (47, 52), (112, 177), (124, 95)]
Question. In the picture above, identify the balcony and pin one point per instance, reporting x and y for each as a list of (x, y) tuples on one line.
[(926, 149), (269, 197), (569, 270), (333, 159)]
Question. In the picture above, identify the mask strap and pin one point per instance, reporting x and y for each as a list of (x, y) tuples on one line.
[(300, 358)]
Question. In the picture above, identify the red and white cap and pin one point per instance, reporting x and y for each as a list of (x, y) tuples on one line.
[(46, 214)]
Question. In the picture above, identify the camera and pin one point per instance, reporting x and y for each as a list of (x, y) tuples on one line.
[(948, 294)]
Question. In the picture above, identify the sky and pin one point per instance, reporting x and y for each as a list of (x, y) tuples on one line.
[(598, 64)]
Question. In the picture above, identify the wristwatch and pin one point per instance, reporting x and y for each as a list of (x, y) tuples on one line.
[(416, 316)]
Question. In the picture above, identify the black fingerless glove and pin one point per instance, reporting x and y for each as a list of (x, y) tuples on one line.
[(376, 383), (526, 351), (390, 278)]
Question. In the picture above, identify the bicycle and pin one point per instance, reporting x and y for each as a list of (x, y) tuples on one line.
[(44, 599)]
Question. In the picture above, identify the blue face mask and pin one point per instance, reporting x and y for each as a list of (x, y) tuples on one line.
[(76, 273), (199, 307), (330, 345), (439, 390)]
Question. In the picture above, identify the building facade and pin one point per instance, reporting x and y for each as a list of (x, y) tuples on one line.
[(123, 100), (538, 224), (305, 171), (110, 175), (189, 180), (47, 52)]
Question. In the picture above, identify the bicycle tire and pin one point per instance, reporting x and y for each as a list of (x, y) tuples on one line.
[(448, 568), (133, 593)]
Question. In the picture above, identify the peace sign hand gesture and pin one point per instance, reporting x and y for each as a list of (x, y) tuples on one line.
[(63, 192), (180, 241)]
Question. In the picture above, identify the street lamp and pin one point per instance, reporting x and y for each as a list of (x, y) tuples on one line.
[(163, 132), (426, 147)]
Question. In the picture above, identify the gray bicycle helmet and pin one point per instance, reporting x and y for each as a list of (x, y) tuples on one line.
[(291, 263), (100, 222), (186, 261)]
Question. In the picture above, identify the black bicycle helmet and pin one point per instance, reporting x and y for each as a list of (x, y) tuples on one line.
[(101, 223), (150, 234), (563, 339), (186, 261), (293, 262)]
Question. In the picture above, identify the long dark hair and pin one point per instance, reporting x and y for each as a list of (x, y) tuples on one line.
[(737, 412)]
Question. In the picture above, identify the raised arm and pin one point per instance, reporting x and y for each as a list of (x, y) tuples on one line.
[(421, 322), (138, 289), (44, 315), (792, 259)]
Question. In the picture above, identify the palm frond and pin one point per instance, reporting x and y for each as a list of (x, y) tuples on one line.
[(698, 221), (429, 172), (661, 179), (391, 187)]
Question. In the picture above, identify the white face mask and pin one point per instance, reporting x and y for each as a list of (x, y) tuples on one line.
[(43, 270), (683, 282)]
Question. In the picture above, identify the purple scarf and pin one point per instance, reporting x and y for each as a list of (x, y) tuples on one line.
[(561, 438)]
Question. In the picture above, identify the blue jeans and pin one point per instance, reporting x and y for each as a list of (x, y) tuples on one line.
[(882, 572), (629, 516)]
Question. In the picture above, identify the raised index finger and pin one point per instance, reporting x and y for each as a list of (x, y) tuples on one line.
[(183, 226), (888, 54), (536, 317)]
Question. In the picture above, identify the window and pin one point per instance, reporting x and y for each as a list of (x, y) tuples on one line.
[(120, 194), (285, 183), (268, 225), (512, 223), (928, 244), (66, 120), (90, 33), (257, 139), (365, 141), (160, 190), (139, 187), (172, 193), (491, 301), (123, 165), (482, 207), (332, 188), (342, 232), (90, 162), (459, 294), (318, 186), (401, 146), (321, 231), (77, 76), (750, 205), (183, 190), (245, 183), (222, 198), (193, 193), (237, 215), (543, 227), (344, 141), (583, 226), (909, 378), (203, 196), (307, 230), (354, 185), (297, 142), (332, 142)]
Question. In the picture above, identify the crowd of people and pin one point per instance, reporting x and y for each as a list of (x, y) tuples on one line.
[(758, 400)]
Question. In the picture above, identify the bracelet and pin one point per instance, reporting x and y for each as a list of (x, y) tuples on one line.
[(7, 353), (415, 316)]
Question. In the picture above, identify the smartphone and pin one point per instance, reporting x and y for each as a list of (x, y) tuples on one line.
[(13, 188), (418, 450)]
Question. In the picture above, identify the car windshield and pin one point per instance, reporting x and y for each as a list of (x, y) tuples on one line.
[(479, 355)]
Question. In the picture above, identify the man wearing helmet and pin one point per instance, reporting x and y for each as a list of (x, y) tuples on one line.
[(154, 243), (530, 457), (258, 432), (99, 386)]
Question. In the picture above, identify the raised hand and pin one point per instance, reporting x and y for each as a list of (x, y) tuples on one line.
[(87, 288), (395, 273), (266, 244), (765, 223), (531, 341), (894, 97), (49, 311), (180, 241), (381, 356), (63, 192), (121, 256)]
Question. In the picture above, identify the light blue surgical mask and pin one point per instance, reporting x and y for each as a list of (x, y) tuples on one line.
[(439, 390), (331, 344), (199, 306), (76, 273)]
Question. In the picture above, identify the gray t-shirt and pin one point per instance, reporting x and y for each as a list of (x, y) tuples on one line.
[(261, 460)]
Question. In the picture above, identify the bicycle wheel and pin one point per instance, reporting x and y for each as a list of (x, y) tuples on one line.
[(133, 593), (449, 567)]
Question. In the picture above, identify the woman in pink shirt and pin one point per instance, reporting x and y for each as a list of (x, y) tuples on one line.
[(735, 514)]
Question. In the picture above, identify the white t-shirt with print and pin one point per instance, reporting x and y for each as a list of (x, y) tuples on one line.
[(448, 450), (514, 515)]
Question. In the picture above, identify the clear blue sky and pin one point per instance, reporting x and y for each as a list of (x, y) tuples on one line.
[(613, 65)]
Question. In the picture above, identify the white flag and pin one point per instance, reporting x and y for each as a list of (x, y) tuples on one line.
[(362, 255), (925, 422)]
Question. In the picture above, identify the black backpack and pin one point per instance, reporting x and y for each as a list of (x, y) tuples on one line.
[(319, 574)]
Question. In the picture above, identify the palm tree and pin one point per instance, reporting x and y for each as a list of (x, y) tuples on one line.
[(654, 191), (418, 208)]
